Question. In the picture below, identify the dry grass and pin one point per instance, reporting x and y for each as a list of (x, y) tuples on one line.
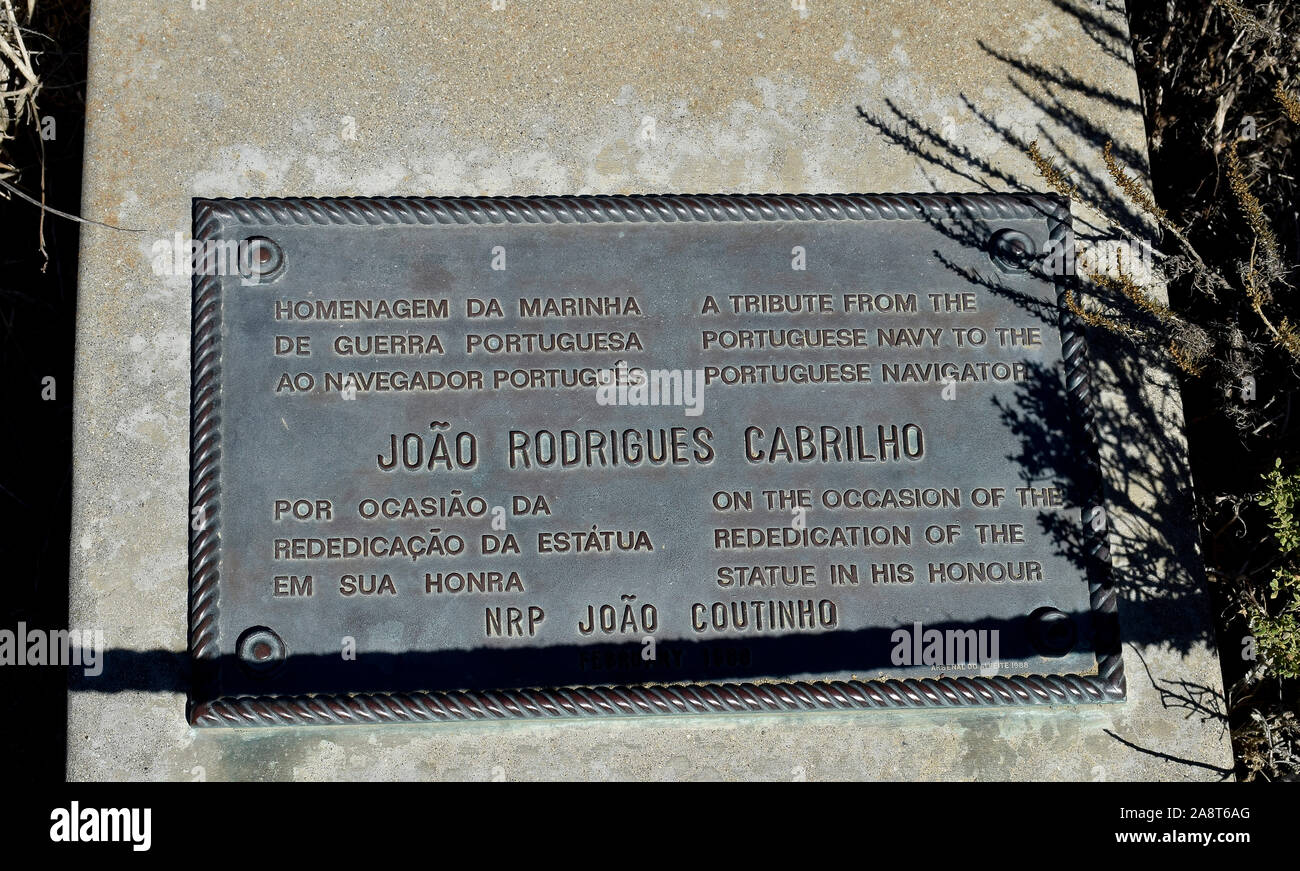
[(1289, 104), (19, 85), (1130, 186), (1220, 83), (1224, 129)]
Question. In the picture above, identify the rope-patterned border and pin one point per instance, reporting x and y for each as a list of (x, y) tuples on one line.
[(649, 700), (1107, 685), (205, 452), (1102, 595), (652, 208)]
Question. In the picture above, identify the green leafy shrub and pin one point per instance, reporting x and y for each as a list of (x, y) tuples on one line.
[(1278, 634)]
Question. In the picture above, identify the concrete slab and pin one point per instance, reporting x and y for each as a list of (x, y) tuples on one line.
[(260, 99)]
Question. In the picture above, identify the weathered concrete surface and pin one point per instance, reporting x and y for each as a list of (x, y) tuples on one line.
[(251, 99)]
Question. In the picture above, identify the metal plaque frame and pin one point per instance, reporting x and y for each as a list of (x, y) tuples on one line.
[(208, 707)]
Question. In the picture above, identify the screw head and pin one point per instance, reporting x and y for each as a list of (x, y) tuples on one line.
[(260, 650), (260, 260), (1052, 632), (1012, 250)]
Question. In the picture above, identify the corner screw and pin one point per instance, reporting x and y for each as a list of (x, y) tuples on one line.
[(1012, 250), (260, 650), (1052, 632), (260, 260)]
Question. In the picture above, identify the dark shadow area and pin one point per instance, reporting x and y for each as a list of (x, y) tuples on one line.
[(1152, 527), (1207, 86), (714, 659), (37, 321)]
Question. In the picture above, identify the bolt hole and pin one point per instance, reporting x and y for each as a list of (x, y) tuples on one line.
[(1012, 250), (261, 651), (260, 260), (1051, 632)]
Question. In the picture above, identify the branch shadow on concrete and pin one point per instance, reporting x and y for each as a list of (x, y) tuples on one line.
[(1157, 567)]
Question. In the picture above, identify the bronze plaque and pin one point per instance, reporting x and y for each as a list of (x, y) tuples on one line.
[(534, 457)]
